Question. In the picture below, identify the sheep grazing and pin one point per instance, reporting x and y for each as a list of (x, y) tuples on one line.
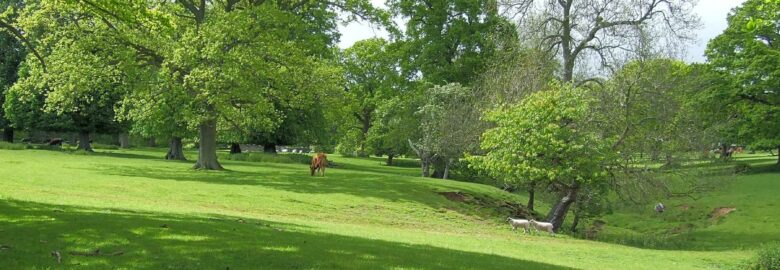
[(544, 225), (519, 223), (660, 208)]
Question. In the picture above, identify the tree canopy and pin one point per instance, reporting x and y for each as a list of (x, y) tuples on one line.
[(748, 52)]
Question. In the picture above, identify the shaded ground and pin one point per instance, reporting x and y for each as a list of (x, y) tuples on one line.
[(31, 232)]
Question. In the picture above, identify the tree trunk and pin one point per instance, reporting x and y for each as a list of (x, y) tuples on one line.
[(447, 169), (235, 148), (151, 142), (8, 134), (724, 152), (207, 153), (558, 212), (439, 165), (778, 155), (390, 159), (269, 148), (124, 140), (175, 150), (365, 120), (84, 143), (426, 167), (531, 193), (576, 221)]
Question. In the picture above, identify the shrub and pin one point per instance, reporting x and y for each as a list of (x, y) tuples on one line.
[(768, 258), (406, 163), (742, 167), (105, 146), (270, 158), (12, 146)]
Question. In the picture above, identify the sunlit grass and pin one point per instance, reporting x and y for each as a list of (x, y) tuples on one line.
[(362, 215)]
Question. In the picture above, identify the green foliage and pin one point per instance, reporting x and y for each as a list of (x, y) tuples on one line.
[(12, 53), (747, 53), (85, 77), (449, 41), (650, 106), (270, 158), (768, 258), (12, 146), (372, 77), (394, 124), (547, 138)]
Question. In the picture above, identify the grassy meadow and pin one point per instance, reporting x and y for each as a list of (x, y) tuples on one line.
[(130, 209)]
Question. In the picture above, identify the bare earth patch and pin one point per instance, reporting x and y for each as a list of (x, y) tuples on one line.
[(511, 208), (684, 207), (454, 196), (721, 212)]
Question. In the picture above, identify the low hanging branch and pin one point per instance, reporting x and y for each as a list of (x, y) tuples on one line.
[(18, 34)]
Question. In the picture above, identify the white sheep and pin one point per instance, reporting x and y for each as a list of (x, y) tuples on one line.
[(546, 226), (519, 223)]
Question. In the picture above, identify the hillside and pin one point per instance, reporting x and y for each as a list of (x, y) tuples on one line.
[(144, 212)]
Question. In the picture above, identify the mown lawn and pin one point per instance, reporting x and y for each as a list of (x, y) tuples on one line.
[(142, 212)]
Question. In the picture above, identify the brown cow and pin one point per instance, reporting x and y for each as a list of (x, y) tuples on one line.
[(319, 162)]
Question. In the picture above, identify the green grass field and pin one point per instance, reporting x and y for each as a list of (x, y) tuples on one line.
[(143, 212)]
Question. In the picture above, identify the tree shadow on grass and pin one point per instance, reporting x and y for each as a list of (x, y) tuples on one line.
[(113, 154), (296, 178), (132, 240)]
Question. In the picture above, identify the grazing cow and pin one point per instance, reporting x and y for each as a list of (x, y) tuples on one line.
[(55, 142), (319, 162), (660, 207)]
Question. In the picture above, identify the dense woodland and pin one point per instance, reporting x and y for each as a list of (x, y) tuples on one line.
[(571, 100)]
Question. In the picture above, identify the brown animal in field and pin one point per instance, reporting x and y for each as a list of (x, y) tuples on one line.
[(55, 142), (319, 162)]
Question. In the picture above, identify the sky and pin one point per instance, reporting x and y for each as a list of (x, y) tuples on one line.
[(712, 13)]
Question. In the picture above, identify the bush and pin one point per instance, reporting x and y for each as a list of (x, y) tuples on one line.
[(270, 158), (742, 167), (406, 163), (105, 146), (768, 258), (12, 146)]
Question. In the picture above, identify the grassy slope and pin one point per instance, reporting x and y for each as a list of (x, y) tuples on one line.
[(754, 222), (361, 215)]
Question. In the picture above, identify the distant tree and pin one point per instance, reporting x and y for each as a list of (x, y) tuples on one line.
[(646, 103), (548, 138), (448, 41), (601, 32), (449, 126), (394, 125), (372, 76), (155, 112), (748, 52), (12, 53), (306, 112), (82, 85), (230, 59)]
